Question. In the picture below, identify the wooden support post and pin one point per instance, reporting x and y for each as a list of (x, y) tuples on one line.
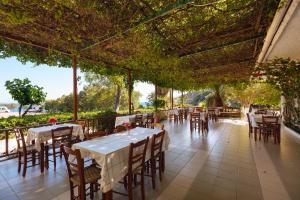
[(182, 99), (172, 98), (6, 143), (75, 97), (129, 91), (155, 96)]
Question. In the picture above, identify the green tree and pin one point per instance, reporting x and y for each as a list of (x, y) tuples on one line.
[(216, 97), (25, 93), (114, 82), (253, 93)]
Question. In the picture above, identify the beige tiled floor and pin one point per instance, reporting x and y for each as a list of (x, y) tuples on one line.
[(225, 164)]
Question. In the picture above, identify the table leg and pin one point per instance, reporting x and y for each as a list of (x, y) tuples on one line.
[(42, 153), (107, 195), (163, 160)]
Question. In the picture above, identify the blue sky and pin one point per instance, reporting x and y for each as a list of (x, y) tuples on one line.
[(55, 81)]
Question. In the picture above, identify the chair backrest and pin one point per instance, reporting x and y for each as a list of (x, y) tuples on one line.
[(75, 163), (90, 136), (20, 139), (211, 110), (62, 135), (157, 142), (157, 125), (261, 112), (138, 118), (120, 128), (137, 154), (150, 118), (270, 120), (195, 117)]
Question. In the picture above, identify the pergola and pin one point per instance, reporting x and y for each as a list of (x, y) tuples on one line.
[(180, 44)]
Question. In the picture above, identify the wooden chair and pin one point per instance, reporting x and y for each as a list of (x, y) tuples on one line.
[(157, 125), (138, 120), (195, 121), (62, 135), (185, 113), (120, 128), (149, 120), (263, 112), (250, 125), (156, 157), (204, 124), (84, 124), (161, 127), (136, 166), (180, 116), (90, 136), (28, 152), (271, 127), (212, 114), (79, 175)]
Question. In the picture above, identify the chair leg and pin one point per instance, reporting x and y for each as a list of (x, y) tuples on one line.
[(129, 188), (153, 172), (19, 161), (82, 192), (142, 184), (25, 165), (135, 179), (125, 183), (72, 191), (33, 157), (160, 168), (91, 191), (163, 161)]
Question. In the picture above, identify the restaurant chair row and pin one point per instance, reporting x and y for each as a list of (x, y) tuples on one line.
[(79, 175), (137, 167)]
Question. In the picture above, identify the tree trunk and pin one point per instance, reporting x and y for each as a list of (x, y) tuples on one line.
[(30, 106), (20, 109), (117, 98), (218, 101)]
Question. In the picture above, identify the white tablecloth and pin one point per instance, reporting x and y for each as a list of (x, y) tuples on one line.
[(111, 153), (126, 119), (174, 111), (43, 134)]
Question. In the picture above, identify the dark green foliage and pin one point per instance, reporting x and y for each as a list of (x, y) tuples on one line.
[(106, 121), (25, 93), (284, 74), (179, 44)]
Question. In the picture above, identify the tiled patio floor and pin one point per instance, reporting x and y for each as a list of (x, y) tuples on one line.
[(225, 164)]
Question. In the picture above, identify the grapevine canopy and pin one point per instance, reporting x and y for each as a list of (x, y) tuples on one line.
[(173, 43)]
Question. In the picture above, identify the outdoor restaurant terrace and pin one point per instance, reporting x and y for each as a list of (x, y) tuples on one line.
[(178, 151)]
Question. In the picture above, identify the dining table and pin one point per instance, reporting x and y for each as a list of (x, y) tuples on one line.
[(126, 119), (256, 119), (40, 135), (111, 153)]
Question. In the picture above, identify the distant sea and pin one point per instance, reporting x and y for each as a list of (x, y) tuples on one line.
[(143, 103), (15, 110)]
